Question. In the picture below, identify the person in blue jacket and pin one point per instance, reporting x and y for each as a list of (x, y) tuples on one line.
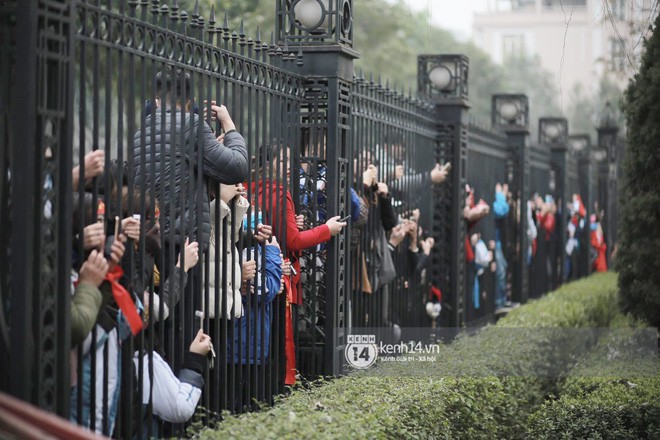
[(258, 296), (501, 210)]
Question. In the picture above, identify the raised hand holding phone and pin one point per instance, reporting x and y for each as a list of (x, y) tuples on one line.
[(335, 225)]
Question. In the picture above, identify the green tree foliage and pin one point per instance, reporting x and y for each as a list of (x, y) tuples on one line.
[(639, 242), (583, 108), (389, 36)]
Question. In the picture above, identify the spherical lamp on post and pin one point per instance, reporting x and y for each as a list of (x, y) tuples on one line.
[(509, 111), (311, 14), (552, 131), (441, 78)]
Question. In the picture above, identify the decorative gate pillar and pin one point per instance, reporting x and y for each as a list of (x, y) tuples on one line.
[(553, 133), (322, 31), (581, 145), (41, 197), (510, 113), (608, 131), (443, 80)]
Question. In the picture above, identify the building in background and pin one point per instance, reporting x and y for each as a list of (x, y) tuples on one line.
[(579, 41)]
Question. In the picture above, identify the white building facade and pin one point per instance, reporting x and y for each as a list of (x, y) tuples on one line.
[(577, 40)]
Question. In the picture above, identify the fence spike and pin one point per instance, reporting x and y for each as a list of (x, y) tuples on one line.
[(212, 16), (257, 39), (183, 16), (195, 12), (241, 29), (225, 23)]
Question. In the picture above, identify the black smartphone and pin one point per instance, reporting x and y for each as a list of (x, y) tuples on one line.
[(112, 229), (345, 219)]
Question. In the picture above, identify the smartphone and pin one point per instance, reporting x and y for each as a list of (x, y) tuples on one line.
[(446, 167), (345, 219), (112, 230)]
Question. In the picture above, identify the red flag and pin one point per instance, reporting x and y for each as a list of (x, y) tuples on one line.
[(124, 301), (435, 292)]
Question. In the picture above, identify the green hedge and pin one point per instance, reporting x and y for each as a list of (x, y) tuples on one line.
[(621, 402), (478, 403)]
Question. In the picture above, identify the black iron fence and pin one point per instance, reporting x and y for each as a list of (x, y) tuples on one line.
[(214, 158)]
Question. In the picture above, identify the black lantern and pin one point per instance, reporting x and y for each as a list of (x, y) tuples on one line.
[(553, 131), (313, 22), (510, 112), (443, 79), (580, 145)]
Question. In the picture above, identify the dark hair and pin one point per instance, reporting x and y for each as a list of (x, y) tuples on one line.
[(267, 152), (83, 213), (174, 82)]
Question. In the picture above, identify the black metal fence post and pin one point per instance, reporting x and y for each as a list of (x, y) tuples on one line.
[(581, 145), (40, 159), (608, 131), (510, 112), (326, 41), (443, 80), (553, 132)]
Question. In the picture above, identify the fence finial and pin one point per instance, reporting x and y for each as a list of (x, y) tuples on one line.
[(212, 17), (241, 30), (257, 39), (195, 13), (225, 23)]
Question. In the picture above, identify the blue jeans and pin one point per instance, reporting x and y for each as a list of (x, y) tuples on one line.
[(500, 276)]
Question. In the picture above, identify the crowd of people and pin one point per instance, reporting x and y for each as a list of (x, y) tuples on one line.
[(196, 237)]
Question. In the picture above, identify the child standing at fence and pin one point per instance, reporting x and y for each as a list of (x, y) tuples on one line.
[(250, 346)]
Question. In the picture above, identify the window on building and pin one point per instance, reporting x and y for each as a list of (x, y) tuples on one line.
[(559, 4), (513, 46), (617, 55), (619, 9)]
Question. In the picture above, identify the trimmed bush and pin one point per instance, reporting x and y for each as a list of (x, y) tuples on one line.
[(474, 404), (622, 402), (618, 409), (384, 407), (639, 235)]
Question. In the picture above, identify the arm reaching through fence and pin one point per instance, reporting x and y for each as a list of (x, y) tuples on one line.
[(175, 398)]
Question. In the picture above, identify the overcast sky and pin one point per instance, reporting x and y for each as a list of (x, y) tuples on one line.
[(455, 15)]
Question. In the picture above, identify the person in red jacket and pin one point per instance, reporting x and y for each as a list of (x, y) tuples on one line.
[(274, 200), (599, 263), (279, 210)]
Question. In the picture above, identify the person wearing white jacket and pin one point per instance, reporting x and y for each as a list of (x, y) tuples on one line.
[(173, 398), (220, 252)]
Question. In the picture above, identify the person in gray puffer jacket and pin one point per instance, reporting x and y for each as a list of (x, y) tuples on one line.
[(166, 159)]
